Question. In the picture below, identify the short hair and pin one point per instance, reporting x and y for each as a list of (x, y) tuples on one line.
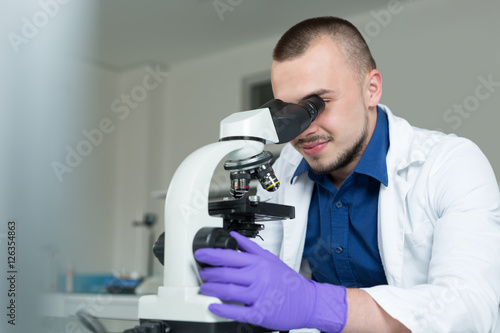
[(343, 33)]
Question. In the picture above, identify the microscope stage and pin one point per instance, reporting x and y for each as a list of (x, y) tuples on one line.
[(246, 210)]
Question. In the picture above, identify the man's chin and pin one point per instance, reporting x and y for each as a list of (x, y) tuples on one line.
[(316, 165)]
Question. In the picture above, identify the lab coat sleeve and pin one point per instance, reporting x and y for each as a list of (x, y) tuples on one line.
[(462, 291)]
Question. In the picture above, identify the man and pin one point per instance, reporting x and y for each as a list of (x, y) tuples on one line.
[(398, 228)]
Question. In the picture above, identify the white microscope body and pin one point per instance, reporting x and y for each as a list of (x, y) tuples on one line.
[(242, 137), (186, 212)]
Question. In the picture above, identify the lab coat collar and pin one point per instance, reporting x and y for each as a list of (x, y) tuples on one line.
[(404, 151), (303, 167)]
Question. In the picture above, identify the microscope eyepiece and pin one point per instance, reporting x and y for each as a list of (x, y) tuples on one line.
[(292, 119), (314, 105)]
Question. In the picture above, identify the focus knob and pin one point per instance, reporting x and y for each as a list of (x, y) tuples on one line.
[(216, 238)]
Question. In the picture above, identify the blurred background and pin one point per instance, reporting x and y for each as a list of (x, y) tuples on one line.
[(100, 101)]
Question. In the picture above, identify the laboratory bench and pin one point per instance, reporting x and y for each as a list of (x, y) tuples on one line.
[(116, 312)]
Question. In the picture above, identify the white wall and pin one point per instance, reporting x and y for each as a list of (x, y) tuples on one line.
[(82, 201), (139, 150), (110, 188), (205, 91), (434, 55), (95, 197)]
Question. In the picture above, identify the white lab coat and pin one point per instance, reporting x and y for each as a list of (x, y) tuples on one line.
[(438, 230)]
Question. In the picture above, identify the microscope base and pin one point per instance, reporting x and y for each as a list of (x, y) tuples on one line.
[(185, 310)]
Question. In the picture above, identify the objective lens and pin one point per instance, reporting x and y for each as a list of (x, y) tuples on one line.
[(267, 178), (240, 183)]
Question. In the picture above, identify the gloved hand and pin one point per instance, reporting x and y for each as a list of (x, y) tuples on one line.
[(273, 295)]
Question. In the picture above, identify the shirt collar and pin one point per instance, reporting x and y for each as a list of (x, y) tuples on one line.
[(303, 167), (373, 162)]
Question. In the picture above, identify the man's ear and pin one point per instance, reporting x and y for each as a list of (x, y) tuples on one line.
[(373, 88)]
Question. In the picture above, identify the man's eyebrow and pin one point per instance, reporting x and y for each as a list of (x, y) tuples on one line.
[(320, 92)]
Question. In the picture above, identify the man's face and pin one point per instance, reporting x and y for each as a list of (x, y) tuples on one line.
[(336, 139)]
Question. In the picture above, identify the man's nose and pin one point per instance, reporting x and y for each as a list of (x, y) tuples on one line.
[(311, 130)]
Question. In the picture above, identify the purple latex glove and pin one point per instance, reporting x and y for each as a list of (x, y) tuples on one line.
[(273, 295)]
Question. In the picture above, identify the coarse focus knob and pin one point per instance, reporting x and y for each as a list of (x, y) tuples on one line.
[(216, 238)]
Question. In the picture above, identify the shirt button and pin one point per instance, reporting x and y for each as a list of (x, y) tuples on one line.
[(339, 250), (338, 204)]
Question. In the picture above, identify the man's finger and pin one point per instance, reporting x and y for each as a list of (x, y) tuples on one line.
[(246, 244), (224, 257), (228, 292), (238, 276)]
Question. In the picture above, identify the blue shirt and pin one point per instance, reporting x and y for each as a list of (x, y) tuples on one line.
[(341, 241)]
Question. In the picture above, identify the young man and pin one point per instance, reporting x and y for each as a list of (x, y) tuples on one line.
[(397, 228)]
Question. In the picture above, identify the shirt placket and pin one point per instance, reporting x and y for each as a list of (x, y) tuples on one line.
[(340, 233)]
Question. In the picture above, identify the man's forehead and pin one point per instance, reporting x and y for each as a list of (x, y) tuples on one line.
[(318, 57), (292, 82)]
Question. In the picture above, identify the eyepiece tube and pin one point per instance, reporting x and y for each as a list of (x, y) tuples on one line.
[(292, 119), (314, 105)]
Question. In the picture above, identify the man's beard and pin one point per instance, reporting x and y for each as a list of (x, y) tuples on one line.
[(345, 157)]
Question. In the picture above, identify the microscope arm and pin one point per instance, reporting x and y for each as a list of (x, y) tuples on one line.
[(186, 211)]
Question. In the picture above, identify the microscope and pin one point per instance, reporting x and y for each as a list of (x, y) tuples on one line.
[(192, 222)]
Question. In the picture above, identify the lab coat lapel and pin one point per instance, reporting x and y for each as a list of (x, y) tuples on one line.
[(392, 208), (391, 217), (294, 231)]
